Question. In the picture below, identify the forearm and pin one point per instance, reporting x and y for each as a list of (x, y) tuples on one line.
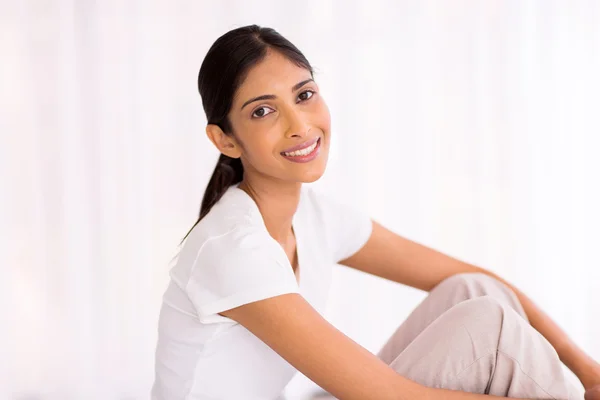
[(586, 369)]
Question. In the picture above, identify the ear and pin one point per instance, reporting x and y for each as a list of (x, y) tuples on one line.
[(226, 144)]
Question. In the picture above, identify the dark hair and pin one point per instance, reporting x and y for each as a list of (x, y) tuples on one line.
[(223, 70)]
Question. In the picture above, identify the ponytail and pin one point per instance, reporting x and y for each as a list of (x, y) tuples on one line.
[(228, 171)]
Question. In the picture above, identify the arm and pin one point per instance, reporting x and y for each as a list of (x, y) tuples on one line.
[(292, 328), (393, 257)]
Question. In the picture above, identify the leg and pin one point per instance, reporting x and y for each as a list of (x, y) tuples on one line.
[(443, 297), (484, 346)]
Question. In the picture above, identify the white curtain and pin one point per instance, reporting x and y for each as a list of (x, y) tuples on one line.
[(469, 126)]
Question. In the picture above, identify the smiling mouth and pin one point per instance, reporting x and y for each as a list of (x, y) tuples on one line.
[(303, 152)]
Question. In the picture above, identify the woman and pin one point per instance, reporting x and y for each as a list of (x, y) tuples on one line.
[(242, 313)]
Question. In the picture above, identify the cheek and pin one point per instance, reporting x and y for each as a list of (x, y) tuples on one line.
[(253, 142), (263, 147), (323, 120)]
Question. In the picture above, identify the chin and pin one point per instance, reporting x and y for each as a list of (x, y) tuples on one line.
[(312, 176), (311, 179)]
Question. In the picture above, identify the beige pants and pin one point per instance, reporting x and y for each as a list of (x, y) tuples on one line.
[(471, 334)]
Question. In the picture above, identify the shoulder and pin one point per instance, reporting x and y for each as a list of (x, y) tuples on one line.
[(233, 268), (234, 209), (220, 269), (230, 249), (232, 233)]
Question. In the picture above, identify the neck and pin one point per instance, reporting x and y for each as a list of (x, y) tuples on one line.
[(277, 203)]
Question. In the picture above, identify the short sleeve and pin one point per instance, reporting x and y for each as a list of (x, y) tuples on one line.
[(347, 228), (237, 268)]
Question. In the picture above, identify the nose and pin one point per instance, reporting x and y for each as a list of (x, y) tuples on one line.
[(297, 124)]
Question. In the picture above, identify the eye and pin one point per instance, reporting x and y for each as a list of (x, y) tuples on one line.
[(307, 94), (260, 112)]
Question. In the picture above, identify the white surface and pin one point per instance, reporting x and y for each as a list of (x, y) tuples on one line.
[(469, 126)]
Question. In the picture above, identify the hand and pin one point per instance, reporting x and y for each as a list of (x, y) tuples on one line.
[(593, 393)]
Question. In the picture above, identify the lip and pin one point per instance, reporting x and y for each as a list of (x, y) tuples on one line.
[(307, 157), (301, 146)]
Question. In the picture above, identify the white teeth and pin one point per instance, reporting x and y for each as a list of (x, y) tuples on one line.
[(302, 152)]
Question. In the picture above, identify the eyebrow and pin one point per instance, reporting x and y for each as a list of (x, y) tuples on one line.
[(272, 96)]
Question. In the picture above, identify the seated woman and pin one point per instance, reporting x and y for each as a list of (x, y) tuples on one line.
[(242, 313)]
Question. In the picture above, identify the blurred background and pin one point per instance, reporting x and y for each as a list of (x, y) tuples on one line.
[(469, 126)]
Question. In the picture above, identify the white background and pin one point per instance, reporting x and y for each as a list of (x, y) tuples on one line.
[(469, 126)]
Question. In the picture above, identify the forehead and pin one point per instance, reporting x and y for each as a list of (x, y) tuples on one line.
[(275, 74)]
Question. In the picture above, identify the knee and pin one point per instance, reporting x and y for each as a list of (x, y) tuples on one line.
[(471, 280), (479, 321), (471, 285), (484, 311), (481, 304), (468, 279), (490, 325)]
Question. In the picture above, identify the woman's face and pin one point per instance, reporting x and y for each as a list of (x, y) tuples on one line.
[(279, 107)]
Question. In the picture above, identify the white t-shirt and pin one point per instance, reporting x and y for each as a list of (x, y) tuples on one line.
[(229, 259)]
